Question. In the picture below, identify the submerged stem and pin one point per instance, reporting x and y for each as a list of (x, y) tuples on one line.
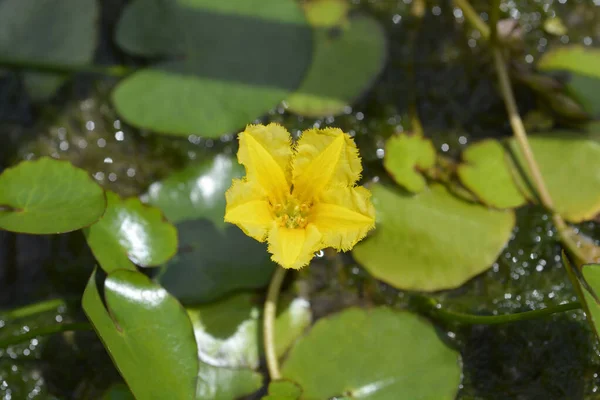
[(269, 322), (118, 71), (434, 310), (44, 331), (473, 17), (32, 309)]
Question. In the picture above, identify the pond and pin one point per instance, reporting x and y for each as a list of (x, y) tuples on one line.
[(471, 239)]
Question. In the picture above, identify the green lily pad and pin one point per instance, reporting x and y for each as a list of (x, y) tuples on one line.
[(130, 232), (485, 172), (432, 240), (50, 31), (119, 391), (283, 390), (582, 64), (147, 333), (570, 165), (376, 354), (48, 196), (346, 61), (405, 156), (213, 262), (216, 383), (197, 191), (229, 332), (228, 62), (327, 13)]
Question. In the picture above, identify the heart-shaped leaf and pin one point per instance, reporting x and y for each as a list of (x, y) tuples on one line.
[(485, 172), (147, 333), (432, 240), (49, 31), (197, 191), (376, 354), (48, 196), (346, 61), (130, 232), (228, 62), (405, 156), (283, 390)]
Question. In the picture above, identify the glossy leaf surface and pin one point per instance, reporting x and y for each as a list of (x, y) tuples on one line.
[(405, 156)]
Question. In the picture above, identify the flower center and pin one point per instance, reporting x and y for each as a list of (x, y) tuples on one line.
[(291, 214)]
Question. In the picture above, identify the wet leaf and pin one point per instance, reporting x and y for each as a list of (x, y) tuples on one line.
[(584, 80), (197, 191), (346, 61), (485, 172), (130, 231), (227, 63), (157, 360), (226, 383), (229, 332), (283, 390), (433, 240), (25, 27), (48, 196), (570, 165), (405, 156), (213, 262), (373, 354)]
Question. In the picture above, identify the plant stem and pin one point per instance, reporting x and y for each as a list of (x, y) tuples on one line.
[(434, 310), (32, 309), (494, 17), (269, 322), (473, 17), (44, 331), (118, 71)]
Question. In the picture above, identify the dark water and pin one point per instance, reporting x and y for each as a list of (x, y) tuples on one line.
[(437, 63)]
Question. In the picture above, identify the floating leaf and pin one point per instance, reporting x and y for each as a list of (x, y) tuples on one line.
[(229, 332), (283, 390), (327, 13), (433, 240), (582, 64), (213, 262), (570, 165), (197, 191), (228, 62), (486, 173), (216, 383), (130, 232), (346, 61), (50, 31), (404, 156), (374, 354), (48, 196), (147, 333)]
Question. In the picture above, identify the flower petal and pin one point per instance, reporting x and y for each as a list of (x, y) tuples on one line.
[(324, 157), (248, 208), (293, 248), (265, 152), (343, 216)]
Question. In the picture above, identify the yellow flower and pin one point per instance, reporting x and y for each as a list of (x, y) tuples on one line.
[(300, 198)]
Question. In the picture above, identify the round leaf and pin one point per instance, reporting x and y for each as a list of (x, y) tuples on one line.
[(197, 191), (345, 64), (570, 165), (433, 240), (48, 196), (235, 60), (229, 333), (404, 156), (486, 173), (283, 390), (213, 262), (147, 333), (216, 383), (50, 31), (129, 232), (584, 80), (327, 13), (373, 354)]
